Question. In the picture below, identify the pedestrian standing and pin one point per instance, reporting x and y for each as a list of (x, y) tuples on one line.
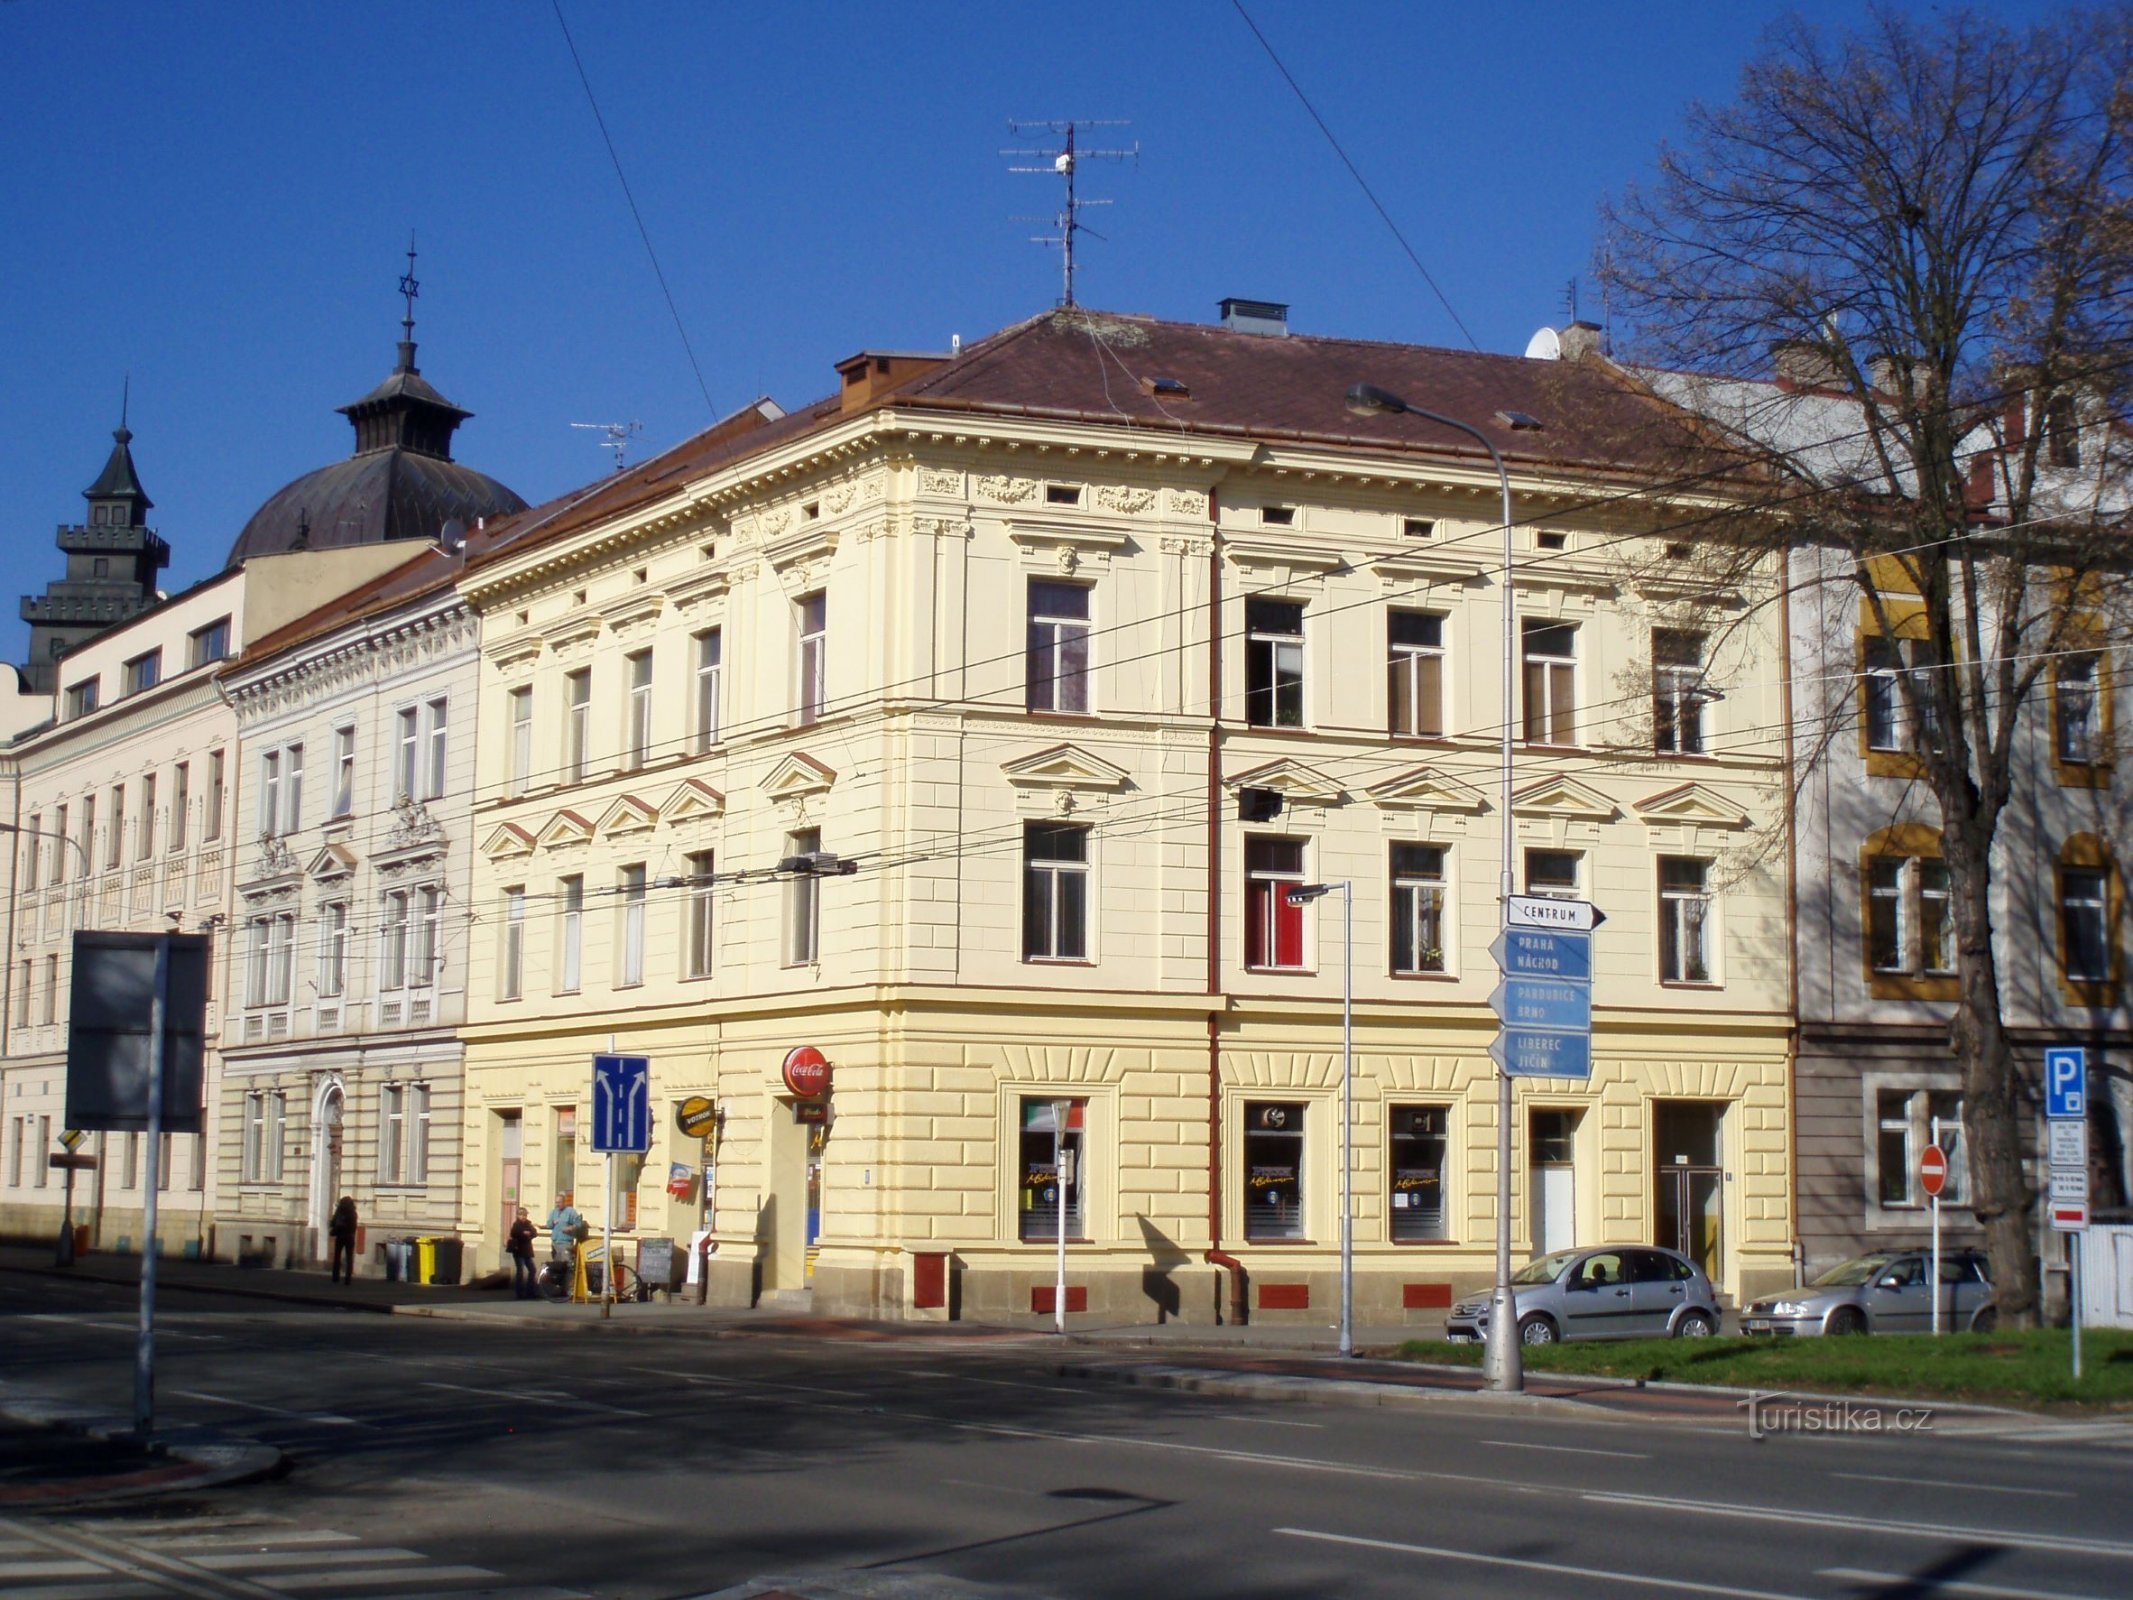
[(520, 1248), (342, 1230)]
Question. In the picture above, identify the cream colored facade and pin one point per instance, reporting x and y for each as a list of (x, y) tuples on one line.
[(124, 811), (1199, 1076)]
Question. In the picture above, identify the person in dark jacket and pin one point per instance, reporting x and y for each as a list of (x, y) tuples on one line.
[(342, 1229), (520, 1248)]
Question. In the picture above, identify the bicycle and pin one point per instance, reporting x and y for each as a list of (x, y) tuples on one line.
[(554, 1279)]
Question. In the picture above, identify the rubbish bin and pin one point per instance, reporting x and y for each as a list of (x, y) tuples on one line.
[(441, 1261), (398, 1259)]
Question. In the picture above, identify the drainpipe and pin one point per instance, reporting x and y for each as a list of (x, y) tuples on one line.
[(1239, 1303)]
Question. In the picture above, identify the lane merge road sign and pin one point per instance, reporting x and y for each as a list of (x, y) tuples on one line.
[(622, 1104)]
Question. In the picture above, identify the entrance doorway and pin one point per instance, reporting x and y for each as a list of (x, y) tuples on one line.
[(511, 1148), (1688, 1181), (1551, 1179), (326, 1167)]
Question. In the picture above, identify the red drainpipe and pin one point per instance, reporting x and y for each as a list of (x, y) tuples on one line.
[(1239, 1301)]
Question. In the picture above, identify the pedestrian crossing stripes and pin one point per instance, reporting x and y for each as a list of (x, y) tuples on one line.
[(232, 1559)]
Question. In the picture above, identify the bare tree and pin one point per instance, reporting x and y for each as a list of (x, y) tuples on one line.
[(1932, 221)]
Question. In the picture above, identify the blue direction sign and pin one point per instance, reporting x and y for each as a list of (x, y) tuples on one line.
[(622, 1104), (2066, 1081), (1543, 953), (1538, 1053), (1544, 1003)]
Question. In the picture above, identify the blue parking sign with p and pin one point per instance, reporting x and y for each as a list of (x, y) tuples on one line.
[(2066, 1081)]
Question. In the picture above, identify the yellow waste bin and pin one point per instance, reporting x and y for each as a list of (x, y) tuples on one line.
[(425, 1258)]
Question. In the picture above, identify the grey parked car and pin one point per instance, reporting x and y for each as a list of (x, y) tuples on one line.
[(1882, 1292), (1612, 1292)]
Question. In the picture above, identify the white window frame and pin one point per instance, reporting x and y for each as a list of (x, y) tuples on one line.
[(710, 667), (428, 927), (700, 935), (811, 625), (281, 958), (570, 934), (1052, 635), (393, 931), (344, 766), (512, 975), (519, 732), (1554, 674), (407, 757), (1418, 901), (1678, 694), (577, 725), (333, 950), (631, 886), (1405, 664), (637, 709), (1685, 925), (438, 714), (392, 1134), (803, 904)]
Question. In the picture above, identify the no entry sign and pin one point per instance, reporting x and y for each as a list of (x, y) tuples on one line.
[(1933, 1170)]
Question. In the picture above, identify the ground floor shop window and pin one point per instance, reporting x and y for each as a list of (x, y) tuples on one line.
[(1273, 1170), (1418, 1173), (1044, 1152), (566, 1154)]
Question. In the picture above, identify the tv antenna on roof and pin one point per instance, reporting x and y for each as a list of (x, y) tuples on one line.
[(618, 436), (1063, 160)]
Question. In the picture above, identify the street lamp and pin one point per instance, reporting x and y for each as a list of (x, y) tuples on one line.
[(1501, 1367), (1303, 894)]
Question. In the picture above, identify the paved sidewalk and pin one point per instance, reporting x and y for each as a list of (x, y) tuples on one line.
[(52, 1455)]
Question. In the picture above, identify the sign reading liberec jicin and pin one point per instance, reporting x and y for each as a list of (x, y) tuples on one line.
[(1545, 998)]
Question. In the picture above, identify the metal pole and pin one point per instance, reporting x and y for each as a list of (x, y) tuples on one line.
[(144, 1344), (607, 1244), (1061, 1110), (1347, 1118), (1936, 1266), (2074, 1279), (65, 1257)]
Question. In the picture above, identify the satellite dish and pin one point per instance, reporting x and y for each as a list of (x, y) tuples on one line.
[(1546, 345)]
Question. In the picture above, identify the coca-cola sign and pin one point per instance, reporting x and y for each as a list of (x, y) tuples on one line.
[(807, 1072)]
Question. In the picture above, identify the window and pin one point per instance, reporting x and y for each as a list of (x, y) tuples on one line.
[(88, 834), (32, 850), (1046, 1149), (344, 772), (637, 713), (512, 978), (392, 1132), (41, 1162), (518, 717), (814, 646), (115, 839), (281, 958), (1684, 920), (701, 912), (181, 799), (144, 840), (269, 792), (630, 946), (710, 651), (292, 807), (210, 643), (81, 699), (1678, 695), (1418, 527), (1415, 673), (1056, 671), (2074, 708), (1550, 657), (1273, 1170), (14, 1151), (1890, 724), (163, 1161), (2088, 915), (1417, 909), (333, 951), (1553, 873), (211, 828), (1055, 892), (1273, 928), (25, 991), (60, 846), (566, 1154), (51, 991), (1062, 494), (409, 722), (1273, 663), (429, 904), (393, 968), (577, 730), (1910, 928), (1906, 1120), (1278, 516), (1418, 1146), (417, 1169), (255, 1136), (258, 935), (803, 903), (144, 672), (2062, 432), (569, 934), (434, 774)]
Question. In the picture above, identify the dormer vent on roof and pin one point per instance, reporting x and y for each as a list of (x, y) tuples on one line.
[(1255, 316)]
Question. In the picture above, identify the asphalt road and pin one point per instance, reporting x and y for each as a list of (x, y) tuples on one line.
[(437, 1458)]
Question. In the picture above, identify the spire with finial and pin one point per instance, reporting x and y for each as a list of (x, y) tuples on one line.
[(409, 289)]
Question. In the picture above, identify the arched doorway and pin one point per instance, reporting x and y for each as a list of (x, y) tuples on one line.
[(326, 1112)]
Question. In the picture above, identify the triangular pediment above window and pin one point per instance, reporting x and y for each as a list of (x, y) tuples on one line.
[(629, 814), (1691, 802), (1565, 797), (1292, 780), (332, 862), (692, 798), (1064, 766), (508, 842), (1427, 789), (565, 827), (797, 775)]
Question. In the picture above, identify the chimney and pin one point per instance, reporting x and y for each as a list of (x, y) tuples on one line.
[(1580, 341), (1801, 362), (1255, 316), (875, 372)]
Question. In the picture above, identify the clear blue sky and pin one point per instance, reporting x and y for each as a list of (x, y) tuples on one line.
[(214, 199)]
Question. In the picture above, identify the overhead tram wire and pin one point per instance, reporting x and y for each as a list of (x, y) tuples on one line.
[(643, 233)]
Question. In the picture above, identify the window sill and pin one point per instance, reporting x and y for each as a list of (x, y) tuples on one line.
[(1705, 985), (565, 993), (1424, 977), (1281, 1244), (1282, 972), (1894, 764), (1071, 1239), (1911, 986), (1057, 961), (1058, 714), (2083, 774), (2094, 994), (1424, 1244)]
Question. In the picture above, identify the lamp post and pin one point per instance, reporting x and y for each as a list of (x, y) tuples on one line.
[(1501, 1367), (1062, 1111), (1302, 894)]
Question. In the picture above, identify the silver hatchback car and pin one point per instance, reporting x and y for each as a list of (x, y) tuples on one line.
[(1610, 1292), (1884, 1292)]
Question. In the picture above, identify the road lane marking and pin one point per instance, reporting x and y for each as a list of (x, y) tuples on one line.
[(552, 1397), (1564, 1449), (1271, 1422), (1552, 1568), (2067, 1544), (1010, 1383), (1950, 1483), (756, 1383), (1909, 1583), (255, 1560), (378, 1577), (272, 1411)]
